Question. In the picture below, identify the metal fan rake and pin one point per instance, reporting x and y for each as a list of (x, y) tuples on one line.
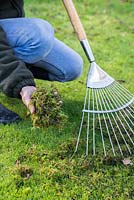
[(108, 113)]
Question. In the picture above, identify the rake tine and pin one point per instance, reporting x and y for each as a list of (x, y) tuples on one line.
[(105, 102), (124, 113), (123, 109), (123, 99), (125, 94), (88, 123), (93, 124), (118, 93), (106, 126), (130, 113), (78, 139), (122, 94), (124, 90), (128, 109), (116, 104), (101, 130), (118, 125), (121, 121), (128, 120), (131, 110)]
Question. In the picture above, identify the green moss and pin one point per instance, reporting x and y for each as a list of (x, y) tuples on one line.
[(75, 178), (48, 111)]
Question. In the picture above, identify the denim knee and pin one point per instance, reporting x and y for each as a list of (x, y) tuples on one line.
[(37, 41), (75, 71), (63, 68)]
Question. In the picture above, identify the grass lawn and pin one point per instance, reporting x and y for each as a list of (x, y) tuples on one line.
[(35, 164)]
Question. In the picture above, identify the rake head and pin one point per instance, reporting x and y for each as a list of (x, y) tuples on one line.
[(108, 115)]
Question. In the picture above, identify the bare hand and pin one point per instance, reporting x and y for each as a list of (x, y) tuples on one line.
[(26, 93)]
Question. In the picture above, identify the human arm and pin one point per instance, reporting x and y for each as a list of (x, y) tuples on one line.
[(14, 75)]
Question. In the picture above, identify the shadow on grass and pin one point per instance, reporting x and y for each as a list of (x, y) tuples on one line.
[(73, 109)]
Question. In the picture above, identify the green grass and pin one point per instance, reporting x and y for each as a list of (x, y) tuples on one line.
[(35, 163)]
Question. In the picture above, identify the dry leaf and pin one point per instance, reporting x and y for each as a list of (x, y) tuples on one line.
[(17, 162), (127, 161)]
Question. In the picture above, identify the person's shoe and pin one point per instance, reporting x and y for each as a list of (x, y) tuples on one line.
[(8, 116)]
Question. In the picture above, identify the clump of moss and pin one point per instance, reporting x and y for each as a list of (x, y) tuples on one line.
[(48, 112), (25, 172)]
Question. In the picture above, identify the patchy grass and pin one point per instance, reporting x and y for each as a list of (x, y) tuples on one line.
[(47, 174), (37, 163)]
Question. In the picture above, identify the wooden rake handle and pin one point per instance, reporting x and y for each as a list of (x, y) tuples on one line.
[(75, 20)]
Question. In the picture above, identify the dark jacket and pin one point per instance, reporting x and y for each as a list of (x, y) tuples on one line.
[(13, 72)]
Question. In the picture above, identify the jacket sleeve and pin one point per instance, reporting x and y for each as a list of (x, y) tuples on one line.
[(13, 72)]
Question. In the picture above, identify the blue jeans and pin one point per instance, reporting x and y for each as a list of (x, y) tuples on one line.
[(33, 42)]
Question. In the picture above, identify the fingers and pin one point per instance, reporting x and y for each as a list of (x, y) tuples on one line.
[(31, 108), (27, 101), (26, 94)]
